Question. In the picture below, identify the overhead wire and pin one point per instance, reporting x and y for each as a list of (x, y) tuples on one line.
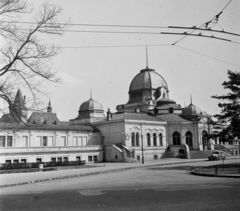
[(194, 28), (206, 55), (213, 21), (157, 45)]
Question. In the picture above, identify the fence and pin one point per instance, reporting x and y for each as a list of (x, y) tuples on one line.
[(7, 166)]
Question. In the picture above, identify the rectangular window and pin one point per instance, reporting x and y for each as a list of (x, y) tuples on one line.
[(44, 141), (78, 158), (8, 161), (59, 159), (138, 157), (16, 161), (53, 160), (23, 160), (155, 157), (24, 141), (181, 151), (95, 158), (74, 141), (39, 160), (9, 141), (2, 141), (65, 159), (89, 158)]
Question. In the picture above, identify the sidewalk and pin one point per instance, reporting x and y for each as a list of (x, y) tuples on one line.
[(16, 179)]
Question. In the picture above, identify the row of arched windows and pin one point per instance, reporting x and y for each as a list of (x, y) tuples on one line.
[(152, 141), (136, 142), (176, 138)]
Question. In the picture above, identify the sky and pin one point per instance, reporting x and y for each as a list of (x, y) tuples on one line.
[(108, 71)]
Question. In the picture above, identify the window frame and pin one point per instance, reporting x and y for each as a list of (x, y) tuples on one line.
[(137, 139), (160, 139), (189, 138), (9, 141), (154, 139), (176, 138), (133, 139), (148, 139), (3, 141), (44, 141)]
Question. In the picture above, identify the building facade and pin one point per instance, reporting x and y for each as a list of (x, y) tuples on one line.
[(149, 126)]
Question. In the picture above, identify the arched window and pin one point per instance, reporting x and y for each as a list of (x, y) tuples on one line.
[(133, 139), (204, 139), (189, 139), (160, 140), (137, 139), (154, 139), (176, 138), (148, 139)]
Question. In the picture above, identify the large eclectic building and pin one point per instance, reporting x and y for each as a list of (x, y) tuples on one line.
[(149, 126)]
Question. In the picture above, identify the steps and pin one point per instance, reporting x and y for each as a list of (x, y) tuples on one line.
[(196, 154), (226, 151), (130, 160)]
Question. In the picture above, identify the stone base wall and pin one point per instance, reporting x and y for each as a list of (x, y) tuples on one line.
[(89, 157)]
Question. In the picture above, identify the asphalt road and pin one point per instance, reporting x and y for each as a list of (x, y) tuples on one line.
[(155, 188)]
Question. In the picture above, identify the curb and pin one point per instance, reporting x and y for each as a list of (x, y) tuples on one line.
[(213, 175), (120, 169), (93, 173)]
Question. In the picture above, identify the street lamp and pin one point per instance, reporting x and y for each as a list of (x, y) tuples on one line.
[(142, 144)]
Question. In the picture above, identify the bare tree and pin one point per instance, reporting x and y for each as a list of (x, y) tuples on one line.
[(25, 56)]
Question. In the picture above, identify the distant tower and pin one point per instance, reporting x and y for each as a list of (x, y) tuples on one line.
[(19, 110), (49, 108)]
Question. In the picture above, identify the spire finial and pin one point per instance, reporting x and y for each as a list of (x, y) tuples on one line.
[(49, 108), (191, 99), (91, 93), (147, 56)]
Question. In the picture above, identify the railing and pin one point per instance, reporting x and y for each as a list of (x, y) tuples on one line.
[(223, 148), (7, 166)]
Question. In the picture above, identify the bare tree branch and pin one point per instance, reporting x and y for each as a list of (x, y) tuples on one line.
[(25, 57)]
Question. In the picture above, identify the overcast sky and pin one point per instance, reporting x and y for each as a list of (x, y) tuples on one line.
[(110, 70)]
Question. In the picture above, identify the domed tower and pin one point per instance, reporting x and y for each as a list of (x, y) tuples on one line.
[(148, 89), (145, 85), (192, 113), (90, 108), (89, 111)]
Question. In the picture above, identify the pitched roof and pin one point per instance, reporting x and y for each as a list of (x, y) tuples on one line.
[(52, 127), (46, 118), (171, 118), (135, 116)]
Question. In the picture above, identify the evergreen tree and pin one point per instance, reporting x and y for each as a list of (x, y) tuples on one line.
[(229, 118)]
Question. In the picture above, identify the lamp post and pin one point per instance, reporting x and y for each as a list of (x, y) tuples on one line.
[(142, 144)]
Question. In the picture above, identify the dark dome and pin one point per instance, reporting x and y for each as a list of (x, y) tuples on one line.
[(191, 110), (147, 79), (91, 105)]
